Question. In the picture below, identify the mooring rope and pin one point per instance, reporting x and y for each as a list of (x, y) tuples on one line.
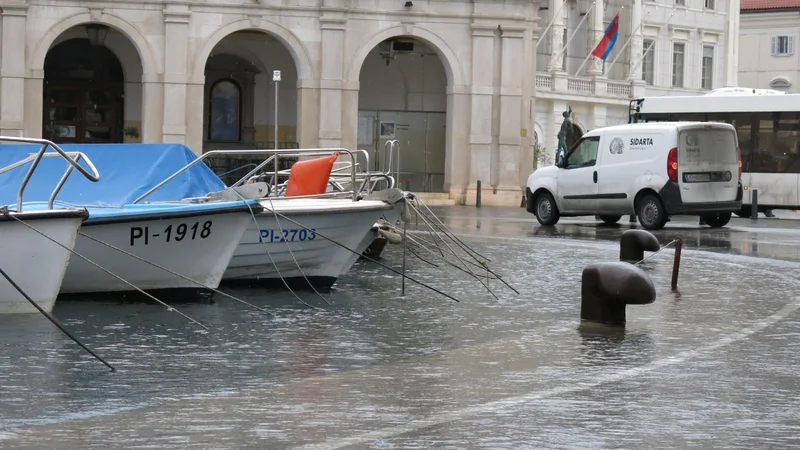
[(52, 319), (372, 260), (656, 252), (216, 291), (169, 308)]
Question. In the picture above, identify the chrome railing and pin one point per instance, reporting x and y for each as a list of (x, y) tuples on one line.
[(276, 154), (36, 157)]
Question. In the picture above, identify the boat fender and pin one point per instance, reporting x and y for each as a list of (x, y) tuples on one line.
[(392, 237), (405, 213)]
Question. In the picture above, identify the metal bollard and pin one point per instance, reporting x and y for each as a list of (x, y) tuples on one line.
[(478, 195), (676, 263), (754, 204), (408, 185)]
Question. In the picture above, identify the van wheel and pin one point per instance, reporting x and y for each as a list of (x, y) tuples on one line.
[(611, 220), (651, 213), (717, 220), (546, 209)]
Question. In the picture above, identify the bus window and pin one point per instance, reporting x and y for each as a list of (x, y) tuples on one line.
[(778, 149), (744, 130)]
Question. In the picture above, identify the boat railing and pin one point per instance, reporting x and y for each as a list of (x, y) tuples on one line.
[(35, 158), (275, 156)]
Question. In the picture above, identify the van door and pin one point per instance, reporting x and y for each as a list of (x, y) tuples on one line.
[(577, 178), (708, 165), (624, 158)]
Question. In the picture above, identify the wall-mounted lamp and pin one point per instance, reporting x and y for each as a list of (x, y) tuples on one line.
[(97, 34), (409, 4), (386, 50)]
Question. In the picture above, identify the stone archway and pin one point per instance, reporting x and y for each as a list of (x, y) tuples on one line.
[(407, 78)]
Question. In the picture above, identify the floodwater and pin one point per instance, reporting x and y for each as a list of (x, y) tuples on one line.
[(714, 365)]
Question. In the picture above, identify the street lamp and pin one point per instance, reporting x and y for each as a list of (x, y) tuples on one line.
[(97, 34), (276, 77)]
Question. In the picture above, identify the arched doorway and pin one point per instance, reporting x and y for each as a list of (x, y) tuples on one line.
[(84, 93), (239, 106), (403, 96)]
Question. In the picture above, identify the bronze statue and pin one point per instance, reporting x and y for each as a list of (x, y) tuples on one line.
[(566, 129)]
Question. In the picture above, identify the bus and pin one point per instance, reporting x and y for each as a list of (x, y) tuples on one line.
[(767, 123)]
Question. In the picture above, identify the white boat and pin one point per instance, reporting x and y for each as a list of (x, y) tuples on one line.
[(161, 245), (280, 248), (34, 262), (36, 243), (194, 241)]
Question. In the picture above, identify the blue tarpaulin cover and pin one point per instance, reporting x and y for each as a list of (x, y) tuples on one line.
[(126, 172)]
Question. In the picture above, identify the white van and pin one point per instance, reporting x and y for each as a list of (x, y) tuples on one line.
[(653, 170)]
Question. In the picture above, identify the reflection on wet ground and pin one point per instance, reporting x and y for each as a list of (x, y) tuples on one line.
[(712, 366)]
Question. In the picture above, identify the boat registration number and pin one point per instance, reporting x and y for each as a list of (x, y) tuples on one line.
[(171, 233), (287, 235)]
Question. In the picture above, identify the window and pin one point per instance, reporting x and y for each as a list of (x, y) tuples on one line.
[(782, 45), (709, 4), (648, 69), (584, 154), (680, 2), (225, 111), (677, 64), (564, 39), (777, 144), (707, 75)]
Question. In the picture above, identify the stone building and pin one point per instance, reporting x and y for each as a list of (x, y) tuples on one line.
[(769, 32), (464, 86)]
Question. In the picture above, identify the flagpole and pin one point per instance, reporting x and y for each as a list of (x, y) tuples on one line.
[(566, 45), (595, 46), (652, 43), (544, 33), (641, 22)]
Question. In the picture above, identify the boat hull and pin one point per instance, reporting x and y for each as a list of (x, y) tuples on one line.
[(278, 248), (36, 264), (196, 245), (391, 216)]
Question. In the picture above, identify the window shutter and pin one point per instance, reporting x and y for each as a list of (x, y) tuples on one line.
[(791, 45), (774, 46)]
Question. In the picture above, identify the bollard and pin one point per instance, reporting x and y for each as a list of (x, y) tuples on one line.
[(478, 195), (676, 263), (633, 243), (607, 288), (754, 204), (408, 185), (632, 219)]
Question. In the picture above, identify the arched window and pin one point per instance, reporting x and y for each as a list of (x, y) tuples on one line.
[(225, 111)]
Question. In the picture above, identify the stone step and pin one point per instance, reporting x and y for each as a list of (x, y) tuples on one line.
[(440, 202), (433, 195)]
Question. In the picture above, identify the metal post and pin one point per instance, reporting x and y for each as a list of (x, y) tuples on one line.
[(754, 204), (276, 78), (676, 263), (478, 195), (403, 277)]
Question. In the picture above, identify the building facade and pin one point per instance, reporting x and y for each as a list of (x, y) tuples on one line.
[(465, 87), (769, 31), (664, 47)]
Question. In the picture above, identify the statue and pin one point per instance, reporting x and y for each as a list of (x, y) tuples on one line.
[(566, 129)]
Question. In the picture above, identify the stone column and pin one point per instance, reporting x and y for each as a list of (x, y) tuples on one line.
[(330, 83), (12, 73), (635, 54), (308, 113), (511, 124), (732, 45), (457, 170), (176, 38), (152, 109), (481, 92), (595, 65), (556, 32), (599, 113)]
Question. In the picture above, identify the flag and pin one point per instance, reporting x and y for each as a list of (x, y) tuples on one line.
[(609, 39)]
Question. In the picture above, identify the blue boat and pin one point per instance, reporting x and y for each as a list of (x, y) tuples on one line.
[(144, 244)]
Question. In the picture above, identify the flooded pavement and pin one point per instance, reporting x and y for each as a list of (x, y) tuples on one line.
[(713, 365)]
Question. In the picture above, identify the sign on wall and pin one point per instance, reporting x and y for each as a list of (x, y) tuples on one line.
[(387, 130)]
